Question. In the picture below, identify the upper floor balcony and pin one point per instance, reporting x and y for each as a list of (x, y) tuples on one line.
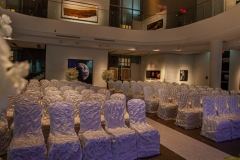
[(127, 14)]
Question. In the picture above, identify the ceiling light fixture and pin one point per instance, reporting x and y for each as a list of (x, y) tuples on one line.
[(132, 49), (155, 50)]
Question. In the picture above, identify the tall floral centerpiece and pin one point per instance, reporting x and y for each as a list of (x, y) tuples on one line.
[(11, 74), (107, 75), (72, 74)]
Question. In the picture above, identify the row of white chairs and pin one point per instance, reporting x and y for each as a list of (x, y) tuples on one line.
[(221, 118), (117, 141)]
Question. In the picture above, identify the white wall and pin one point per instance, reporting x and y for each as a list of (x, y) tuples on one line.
[(152, 62), (135, 74), (174, 63), (54, 11), (171, 64), (201, 60), (234, 71), (57, 61)]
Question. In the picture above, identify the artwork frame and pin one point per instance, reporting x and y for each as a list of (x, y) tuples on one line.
[(153, 74), (115, 70), (79, 11), (155, 25), (125, 74), (85, 69), (183, 75)]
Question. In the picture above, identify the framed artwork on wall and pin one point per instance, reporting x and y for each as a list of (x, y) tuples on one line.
[(79, 11), (84, 67), (183, 75), (115, 70), (155, 25), (125, 74), (155, 74)]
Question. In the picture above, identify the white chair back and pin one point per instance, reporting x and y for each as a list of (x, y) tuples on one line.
[(62, 119), (89, 113)]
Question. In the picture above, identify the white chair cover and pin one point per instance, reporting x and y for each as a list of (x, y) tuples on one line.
[(4, 132), (54, 80), (111, 86), (95, 88), (63, 142), (225, 93), (75, 100), (121, 97), (148, 138), (136, 91), (22, 99), (224, 112), (34, 93), (28, 141), (126, 90), (69, 92), (123, 138), (50, 88), (141, 85), (233, 105), (151, 103), (209, 89), (64, 88), (80, 88), (86, 93), (118, 86), (56, 83), (95, 141), (166, 109), (216, 93), (44, 81), (46, 102), (98, 97), (187, 117), (52, 92), (214, 127), (233, 92), (105, 92), (195, 98)]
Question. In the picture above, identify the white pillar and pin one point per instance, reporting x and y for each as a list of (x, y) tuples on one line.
[(215, 64)]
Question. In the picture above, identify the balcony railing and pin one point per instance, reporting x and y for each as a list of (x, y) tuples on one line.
[(92, 14)]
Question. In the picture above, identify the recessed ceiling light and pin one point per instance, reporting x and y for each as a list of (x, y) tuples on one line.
[(132, 49)]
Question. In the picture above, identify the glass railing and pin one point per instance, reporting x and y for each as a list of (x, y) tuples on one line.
[(92, 14)]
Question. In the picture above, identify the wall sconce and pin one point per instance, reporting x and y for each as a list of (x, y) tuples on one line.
[(155, 50), (178, 49)]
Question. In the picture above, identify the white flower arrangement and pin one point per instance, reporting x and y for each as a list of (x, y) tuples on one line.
[(71, 74), (11, 81), (107, 75)]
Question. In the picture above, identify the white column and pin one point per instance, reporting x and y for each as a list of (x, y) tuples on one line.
[(215, 64)]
